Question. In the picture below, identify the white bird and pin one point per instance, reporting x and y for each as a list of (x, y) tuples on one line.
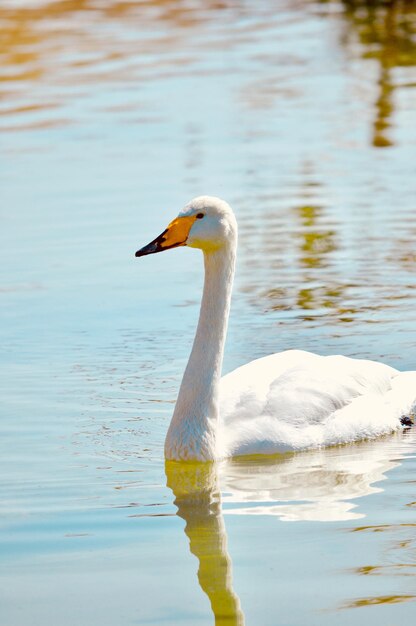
[(291, 400)]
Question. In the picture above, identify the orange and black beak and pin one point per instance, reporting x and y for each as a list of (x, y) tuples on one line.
[(175, 235)]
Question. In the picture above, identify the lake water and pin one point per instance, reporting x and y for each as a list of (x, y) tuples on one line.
[(113, 114)]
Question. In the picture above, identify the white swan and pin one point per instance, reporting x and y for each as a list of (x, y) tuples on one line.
[(286, 401)]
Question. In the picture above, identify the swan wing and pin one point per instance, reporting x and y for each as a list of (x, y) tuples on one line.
[(295, 399)]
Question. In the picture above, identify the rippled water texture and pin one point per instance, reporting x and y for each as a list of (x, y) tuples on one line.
[(112, 116)]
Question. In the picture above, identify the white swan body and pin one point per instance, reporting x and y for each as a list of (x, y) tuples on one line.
[(302, 400), (286, 401)]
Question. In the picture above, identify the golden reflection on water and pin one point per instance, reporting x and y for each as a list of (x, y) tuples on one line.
[(315, 231), (197, 496), (316, 242), (372, 601), (385, 30), (49, 48), (55, 41), (312, 266)]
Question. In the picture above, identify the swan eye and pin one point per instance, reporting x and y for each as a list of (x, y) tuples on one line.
[(199, 216)]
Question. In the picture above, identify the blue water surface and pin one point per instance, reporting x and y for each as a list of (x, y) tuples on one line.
[(112, 116)]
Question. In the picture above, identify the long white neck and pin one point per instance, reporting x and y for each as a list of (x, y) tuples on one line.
[(192, 432)]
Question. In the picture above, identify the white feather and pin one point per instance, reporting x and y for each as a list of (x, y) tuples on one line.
[(287, 401), (295, 400)]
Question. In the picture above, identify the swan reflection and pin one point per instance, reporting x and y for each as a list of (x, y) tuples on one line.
[(197, 496), (319, 485)]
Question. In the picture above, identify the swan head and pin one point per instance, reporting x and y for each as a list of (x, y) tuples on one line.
[(205, 222)]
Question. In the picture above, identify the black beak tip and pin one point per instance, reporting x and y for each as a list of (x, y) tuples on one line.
[(151, 248)]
